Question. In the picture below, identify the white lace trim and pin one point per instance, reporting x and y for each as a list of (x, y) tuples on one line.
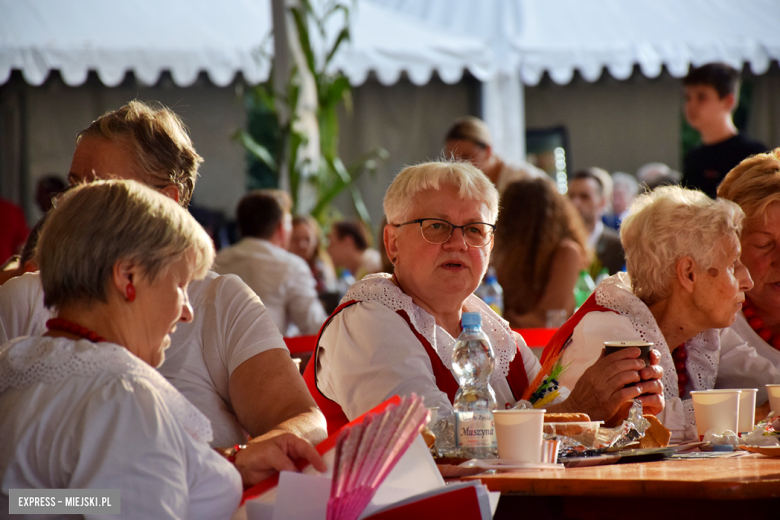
[(31, 360), (380, 288), (703, 349)]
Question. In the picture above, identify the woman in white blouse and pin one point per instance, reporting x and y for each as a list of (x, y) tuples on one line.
[(395, 334), (684, 284), (82, 406)]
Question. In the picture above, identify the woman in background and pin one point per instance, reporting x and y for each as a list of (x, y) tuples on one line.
[(540, 249), (306, 243)]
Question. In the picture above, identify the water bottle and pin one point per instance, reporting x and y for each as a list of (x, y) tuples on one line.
[(603, 275), (472, 362), (344, 282), (491, 292), (583, 288)]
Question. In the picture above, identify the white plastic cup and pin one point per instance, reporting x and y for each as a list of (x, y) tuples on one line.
[(434, 415), (519, 434), (747, 409), (716, 409), (774, 397)]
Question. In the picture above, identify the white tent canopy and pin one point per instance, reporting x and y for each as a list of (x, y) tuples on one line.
[(389, 43), (222, 38), (531, 37), (146, 37), (561, 36)]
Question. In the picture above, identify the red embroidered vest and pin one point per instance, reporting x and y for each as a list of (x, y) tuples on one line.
[(517, 378)]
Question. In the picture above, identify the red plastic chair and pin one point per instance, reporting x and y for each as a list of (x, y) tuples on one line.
[(536, 338)]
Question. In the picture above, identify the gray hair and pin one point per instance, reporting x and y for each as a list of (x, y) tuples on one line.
[(625, 182), (158, 141), (471, 184), (657, 174), (668, 223), (96, 225)]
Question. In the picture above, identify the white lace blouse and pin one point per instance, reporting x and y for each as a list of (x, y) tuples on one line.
[(369, 353), (74, 414), (634, 321)]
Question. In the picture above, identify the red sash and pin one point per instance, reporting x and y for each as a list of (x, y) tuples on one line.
[(554, 349), (445, 381), (331, 409)]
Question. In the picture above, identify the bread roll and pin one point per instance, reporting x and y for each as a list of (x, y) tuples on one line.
[(656, 436), (566, 417)]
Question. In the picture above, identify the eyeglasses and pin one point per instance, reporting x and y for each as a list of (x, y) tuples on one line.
[(438, 231)]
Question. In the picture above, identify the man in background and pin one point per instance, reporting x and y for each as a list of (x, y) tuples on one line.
[(282, 280), (711, 95), (348, 247), (587, 192), (469, 139)]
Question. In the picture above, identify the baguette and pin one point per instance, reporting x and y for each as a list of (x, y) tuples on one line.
[(566, 417)]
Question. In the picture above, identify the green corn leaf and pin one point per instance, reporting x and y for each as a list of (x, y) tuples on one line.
[(256, 149)]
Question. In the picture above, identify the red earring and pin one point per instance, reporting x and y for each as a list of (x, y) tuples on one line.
[(130, 292)]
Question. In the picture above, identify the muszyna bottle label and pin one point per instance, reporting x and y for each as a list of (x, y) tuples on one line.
[(475, 430)]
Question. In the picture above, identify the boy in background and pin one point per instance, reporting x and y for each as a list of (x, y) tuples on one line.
[(711, 95)]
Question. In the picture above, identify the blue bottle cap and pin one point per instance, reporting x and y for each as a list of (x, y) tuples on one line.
[(471, 319)]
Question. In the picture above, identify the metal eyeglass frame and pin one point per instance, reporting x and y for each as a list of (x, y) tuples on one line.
[(454, 227)]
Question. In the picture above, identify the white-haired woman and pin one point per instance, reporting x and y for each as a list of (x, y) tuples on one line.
[(82, 407), (395, 334), (684, 281)]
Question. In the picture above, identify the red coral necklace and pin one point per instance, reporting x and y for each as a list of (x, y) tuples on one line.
[(679, 356), (74, 328), (757, 324)]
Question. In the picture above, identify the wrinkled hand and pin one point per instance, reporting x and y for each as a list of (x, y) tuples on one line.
[(600, 391), (275, 451)]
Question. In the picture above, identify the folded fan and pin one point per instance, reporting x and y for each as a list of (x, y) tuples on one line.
[(366, 453)]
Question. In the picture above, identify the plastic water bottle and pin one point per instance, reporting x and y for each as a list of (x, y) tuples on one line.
[(344, 282), (583, 288), (603, 275), (472, 361), (491, 292)]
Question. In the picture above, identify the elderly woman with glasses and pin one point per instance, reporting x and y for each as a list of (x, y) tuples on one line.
[(395, 334)]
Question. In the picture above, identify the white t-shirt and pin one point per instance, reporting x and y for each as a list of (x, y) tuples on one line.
[(707, 365), (79, 415), (369, 352), (229, 326), (282, 280)]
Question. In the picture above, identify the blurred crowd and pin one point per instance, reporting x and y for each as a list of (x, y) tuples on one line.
[(119, 299)]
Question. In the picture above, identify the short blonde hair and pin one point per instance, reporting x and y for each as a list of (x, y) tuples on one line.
[(158, 141), (754, 183), (471, 184), (668, 223), (96, 225)]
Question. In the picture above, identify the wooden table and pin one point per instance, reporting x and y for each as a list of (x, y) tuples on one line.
[(730, 488)]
